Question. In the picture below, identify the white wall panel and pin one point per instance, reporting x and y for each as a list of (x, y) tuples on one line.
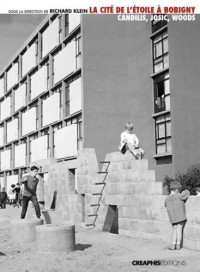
[(74, 21), (29, 59), (12, 130), (29, 121), (64, 62), (2, 182), (20, 155), (20, 97), (51, 109), (12, 76), (1, 87), (39, 148), (75, 96), (5, 108), (1, 136), (39, 82), (65, 141), (50, 37), (5, 159)]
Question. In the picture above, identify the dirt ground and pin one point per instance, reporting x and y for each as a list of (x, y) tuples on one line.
[(95, 251)]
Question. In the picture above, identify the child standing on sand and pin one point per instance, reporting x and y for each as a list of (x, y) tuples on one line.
[(175, 204)]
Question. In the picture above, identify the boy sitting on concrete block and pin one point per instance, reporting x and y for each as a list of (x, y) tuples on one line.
[(129, 141)]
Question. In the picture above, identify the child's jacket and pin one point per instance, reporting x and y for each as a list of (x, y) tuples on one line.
[(175, 204)]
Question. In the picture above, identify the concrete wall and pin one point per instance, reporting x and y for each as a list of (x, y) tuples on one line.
[(61, 185), (116, 83), (184, 59)]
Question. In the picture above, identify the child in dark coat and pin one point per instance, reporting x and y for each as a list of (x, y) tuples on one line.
[(3, 198), (175, 204)]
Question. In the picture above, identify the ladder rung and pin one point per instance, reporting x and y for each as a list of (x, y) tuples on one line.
[(102, 172), (90, 215), (104, 161), (94, 205), (90, 225), (97, 194), (99, 183)]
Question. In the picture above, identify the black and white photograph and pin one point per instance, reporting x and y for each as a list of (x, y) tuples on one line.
[(99, 140)]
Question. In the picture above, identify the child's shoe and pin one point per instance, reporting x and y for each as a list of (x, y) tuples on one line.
[(172, 247), (178, 247)]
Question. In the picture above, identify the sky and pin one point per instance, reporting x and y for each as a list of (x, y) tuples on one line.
[(14, 30)]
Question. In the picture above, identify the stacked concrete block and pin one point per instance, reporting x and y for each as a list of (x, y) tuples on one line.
[(131, 187), (89, 184)]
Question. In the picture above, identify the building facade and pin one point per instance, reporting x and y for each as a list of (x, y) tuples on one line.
[(79, 78)]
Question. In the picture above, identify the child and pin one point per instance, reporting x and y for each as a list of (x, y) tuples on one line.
[(3, 198), (129, 141), (198, 191), (16, 190), (175, 204)]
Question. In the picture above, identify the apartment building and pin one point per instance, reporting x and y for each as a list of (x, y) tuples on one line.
[(79, 78)]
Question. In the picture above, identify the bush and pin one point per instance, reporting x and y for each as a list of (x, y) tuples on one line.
[(190, 180)]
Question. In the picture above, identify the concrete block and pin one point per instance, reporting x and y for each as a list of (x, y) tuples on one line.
[(115, 167), (193, 217), (83, 189), (193, 203), (153, 213), (192, 232), (118, 156), (52, 216), (191, 244), (164, 215), (133, 201), (97, 188), (72, 198), (132, 213), (135, 165), (23, 230), (74, 218), (52, 239), (118, 200), (113, 177), (155, 188), (147, 176), (65, 216), (146, 201), (163, 228), (82, 180), (129, 233), (127, 188), (147, 226), (112, 189), (132, 176), (159, 200), (123, 223)]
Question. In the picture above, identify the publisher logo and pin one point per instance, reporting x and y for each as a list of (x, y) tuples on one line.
[(159, 262)]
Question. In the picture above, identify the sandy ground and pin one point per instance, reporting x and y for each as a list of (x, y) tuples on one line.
[(95, 251)]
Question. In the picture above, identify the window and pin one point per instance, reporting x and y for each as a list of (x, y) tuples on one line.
[(163, 134), (158, 24), (67, 113), (78, 52), (162, 93), (35, 105), (60, 28), (66, 24), (36, 50), (160, 52)]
